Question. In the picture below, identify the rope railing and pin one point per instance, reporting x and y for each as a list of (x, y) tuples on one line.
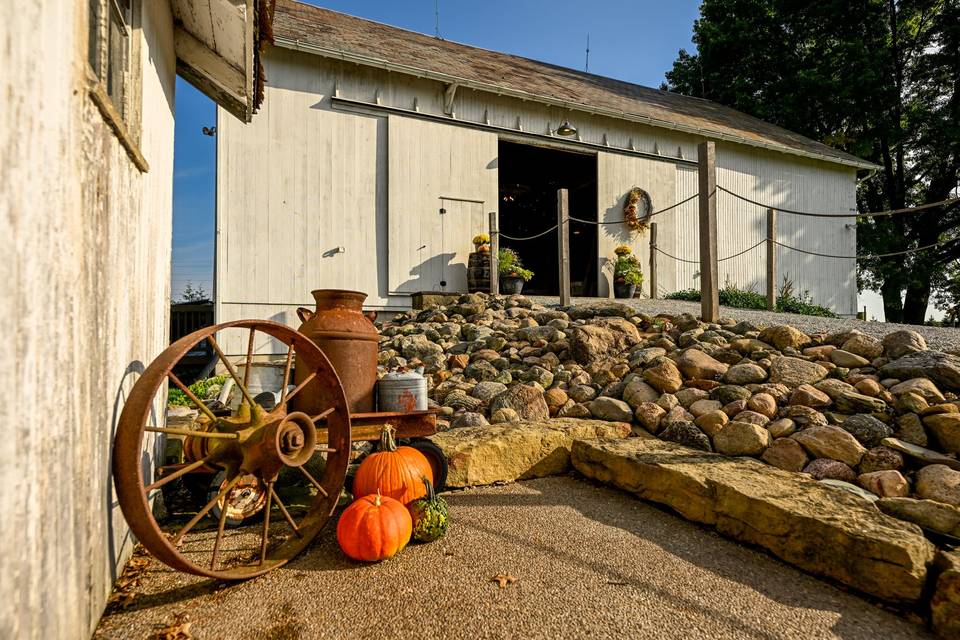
[(542, 233), (869, 255), (736, 255), (870, 214), (645, 218)]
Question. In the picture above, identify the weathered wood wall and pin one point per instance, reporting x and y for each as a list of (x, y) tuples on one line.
[(328, 135), (83, 306)]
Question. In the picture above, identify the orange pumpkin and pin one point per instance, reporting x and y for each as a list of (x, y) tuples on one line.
[(374, 528), (397, 472)]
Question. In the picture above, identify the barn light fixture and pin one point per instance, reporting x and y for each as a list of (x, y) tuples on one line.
[(566, 129)]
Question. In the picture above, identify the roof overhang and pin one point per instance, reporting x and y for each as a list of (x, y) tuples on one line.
[(361, 59), (218, 45)]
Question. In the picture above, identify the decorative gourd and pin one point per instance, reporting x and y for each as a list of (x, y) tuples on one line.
[(397, 472), (430, 516), (374, 528)]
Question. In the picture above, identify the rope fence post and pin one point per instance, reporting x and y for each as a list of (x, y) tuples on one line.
[(707, 174), (563, 245), (494, 253), (653, 260), (771, 259)]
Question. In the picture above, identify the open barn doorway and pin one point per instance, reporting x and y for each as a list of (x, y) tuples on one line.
[(529, 178)]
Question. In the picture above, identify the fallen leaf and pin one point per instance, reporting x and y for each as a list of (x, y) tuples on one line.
[(179, 629), (503, 579)]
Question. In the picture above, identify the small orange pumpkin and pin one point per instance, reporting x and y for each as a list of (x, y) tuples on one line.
[(374, 528), (397, 472)]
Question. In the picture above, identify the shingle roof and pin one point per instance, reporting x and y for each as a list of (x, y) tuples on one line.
[(337, 34)]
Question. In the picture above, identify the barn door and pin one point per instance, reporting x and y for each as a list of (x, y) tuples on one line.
[(442, 182)]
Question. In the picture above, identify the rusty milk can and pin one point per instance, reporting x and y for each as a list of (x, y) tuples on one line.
[(349, 340)]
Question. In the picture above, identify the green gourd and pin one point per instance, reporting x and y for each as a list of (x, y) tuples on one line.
[(430, 515)]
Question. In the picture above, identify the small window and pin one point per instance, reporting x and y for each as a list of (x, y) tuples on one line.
[(108, 49)]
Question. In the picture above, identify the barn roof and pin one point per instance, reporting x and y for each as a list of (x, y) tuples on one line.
[(339, 35)]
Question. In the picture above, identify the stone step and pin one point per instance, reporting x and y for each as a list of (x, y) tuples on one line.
[(517, 450), (812, 526)]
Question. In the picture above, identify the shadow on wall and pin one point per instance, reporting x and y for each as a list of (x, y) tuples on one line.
[(429, 274), (117, 549)]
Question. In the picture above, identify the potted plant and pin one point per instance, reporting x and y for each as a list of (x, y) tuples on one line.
[(511, 272), (481, 243), (626, 273)]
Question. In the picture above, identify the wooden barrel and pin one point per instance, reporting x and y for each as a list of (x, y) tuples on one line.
[(478, 272)]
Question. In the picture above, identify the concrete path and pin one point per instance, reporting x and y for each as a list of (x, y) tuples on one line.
[(589, 562)]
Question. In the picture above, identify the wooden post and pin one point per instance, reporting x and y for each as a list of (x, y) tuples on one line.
[(771, 259), (709, 288), (563, 245), (494, 253), (653, 260)]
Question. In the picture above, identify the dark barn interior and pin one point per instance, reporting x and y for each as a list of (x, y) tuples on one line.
[(529, 179)]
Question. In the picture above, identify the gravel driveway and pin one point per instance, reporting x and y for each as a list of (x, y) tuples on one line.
[(589, 562), (939, 338)]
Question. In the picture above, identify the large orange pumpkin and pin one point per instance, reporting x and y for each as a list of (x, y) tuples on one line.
[(397, 472), (374, 528)]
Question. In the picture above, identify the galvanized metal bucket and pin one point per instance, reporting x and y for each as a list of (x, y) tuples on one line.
[(402, 391)]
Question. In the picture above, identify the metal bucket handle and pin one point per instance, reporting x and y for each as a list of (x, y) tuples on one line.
[(304, 314)]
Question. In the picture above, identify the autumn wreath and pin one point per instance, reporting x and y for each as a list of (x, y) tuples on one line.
[(636, 211)]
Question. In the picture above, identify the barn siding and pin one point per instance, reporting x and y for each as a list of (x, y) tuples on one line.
[(333, 164), (84, 308)]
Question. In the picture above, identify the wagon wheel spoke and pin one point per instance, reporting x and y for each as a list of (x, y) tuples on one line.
[(299, 387), (193, 397), (266, 523), (206, 509), (323, 414), (231, 370), (314, 482), (177, 474), (216, 435), (286, 514), (286, 374), (249, 360), (221, 523)]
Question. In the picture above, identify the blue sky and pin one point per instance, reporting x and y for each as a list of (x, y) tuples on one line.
[(633, 40)]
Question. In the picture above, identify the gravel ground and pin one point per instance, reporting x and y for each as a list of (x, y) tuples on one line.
[(939, 338), (589, 562)]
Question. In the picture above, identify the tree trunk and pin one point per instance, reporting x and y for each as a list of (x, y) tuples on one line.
[(892, 304), (917, 299)]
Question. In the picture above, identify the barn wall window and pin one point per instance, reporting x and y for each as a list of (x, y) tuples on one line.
[(113, 56)]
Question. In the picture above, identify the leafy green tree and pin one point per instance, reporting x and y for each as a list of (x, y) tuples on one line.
[(194, 293), (877, 78)]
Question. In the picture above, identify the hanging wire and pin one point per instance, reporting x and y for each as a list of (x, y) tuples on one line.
[(868, 256), (646, 217), (543, 233), (874, 214), (736, 255)]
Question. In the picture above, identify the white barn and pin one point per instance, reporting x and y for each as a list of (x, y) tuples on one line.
[(381, 151)]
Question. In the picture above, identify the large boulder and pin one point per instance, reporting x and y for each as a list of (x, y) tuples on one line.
[(602, 339), (869, 431), (600, 309), (945, 603), (527, 401), (605, 408), (637, 392), (794, 372), (942, 368), (694, 363), (664, 376), (814, 527), (783, 336), (516, 451), (936, 516), (418, 346), (687, 434), (742, 439), (903, 343), (860, 344), (831, 442), (945, 428), (745, 373), (786, 454), (939, 482)]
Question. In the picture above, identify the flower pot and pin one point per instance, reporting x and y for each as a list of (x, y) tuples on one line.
[(511, 284), (483, 248), (624, 290)]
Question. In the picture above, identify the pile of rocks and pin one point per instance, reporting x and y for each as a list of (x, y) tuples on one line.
[(878, 418)]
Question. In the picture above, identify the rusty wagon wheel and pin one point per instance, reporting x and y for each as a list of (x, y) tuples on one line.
[(251, 445)]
